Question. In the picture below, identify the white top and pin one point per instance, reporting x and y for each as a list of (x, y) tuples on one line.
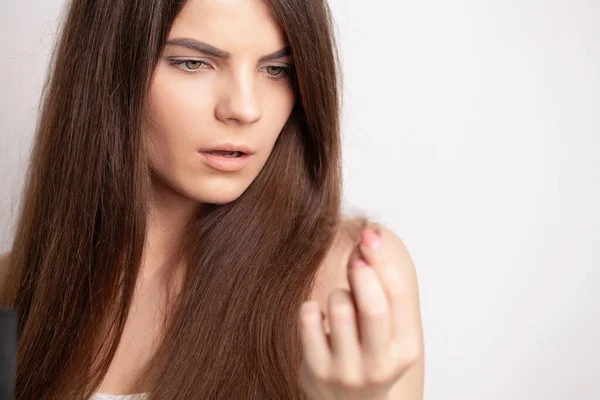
[(106, 396)]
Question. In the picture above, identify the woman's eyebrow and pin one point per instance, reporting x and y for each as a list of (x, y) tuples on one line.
[(206, 48)]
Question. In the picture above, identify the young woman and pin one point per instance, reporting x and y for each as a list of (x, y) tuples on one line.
[(180, 228)]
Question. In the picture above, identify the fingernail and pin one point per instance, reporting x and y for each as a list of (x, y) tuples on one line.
[(370, 239)]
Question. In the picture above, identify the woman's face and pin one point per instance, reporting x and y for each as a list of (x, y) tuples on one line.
[(213, 86)]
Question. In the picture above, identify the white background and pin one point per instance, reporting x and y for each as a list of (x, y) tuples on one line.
[(472, 129)]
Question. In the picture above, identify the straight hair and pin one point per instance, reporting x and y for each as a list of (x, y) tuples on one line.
[(81, 228)]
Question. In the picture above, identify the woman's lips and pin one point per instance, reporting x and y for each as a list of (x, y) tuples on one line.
[(226, 164)]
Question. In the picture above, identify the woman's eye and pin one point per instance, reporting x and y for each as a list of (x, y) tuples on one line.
[(190, 65), (275, 71)]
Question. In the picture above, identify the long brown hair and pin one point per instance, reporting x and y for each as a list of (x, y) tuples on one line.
[(82, 223)]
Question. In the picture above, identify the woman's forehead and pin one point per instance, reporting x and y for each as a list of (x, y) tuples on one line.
[(235, 26)]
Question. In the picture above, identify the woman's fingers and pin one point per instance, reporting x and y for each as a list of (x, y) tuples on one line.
[(373, 310), (317, 354), (386, 259), (345, 342), (373, 328)]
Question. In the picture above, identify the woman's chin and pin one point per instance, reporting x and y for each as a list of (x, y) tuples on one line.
[(203, 191), (217, 194)]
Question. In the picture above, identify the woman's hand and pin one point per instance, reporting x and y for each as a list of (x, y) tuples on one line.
[(374, 333)]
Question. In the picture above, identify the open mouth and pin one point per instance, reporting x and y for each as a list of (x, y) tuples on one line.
[(227, 154)]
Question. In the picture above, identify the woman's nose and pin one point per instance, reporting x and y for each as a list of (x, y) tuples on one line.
[(239, 101)]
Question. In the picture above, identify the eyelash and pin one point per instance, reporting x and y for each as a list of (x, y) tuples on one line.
[(178, 63)]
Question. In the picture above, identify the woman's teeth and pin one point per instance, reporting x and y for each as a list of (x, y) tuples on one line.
[(228, 154)]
